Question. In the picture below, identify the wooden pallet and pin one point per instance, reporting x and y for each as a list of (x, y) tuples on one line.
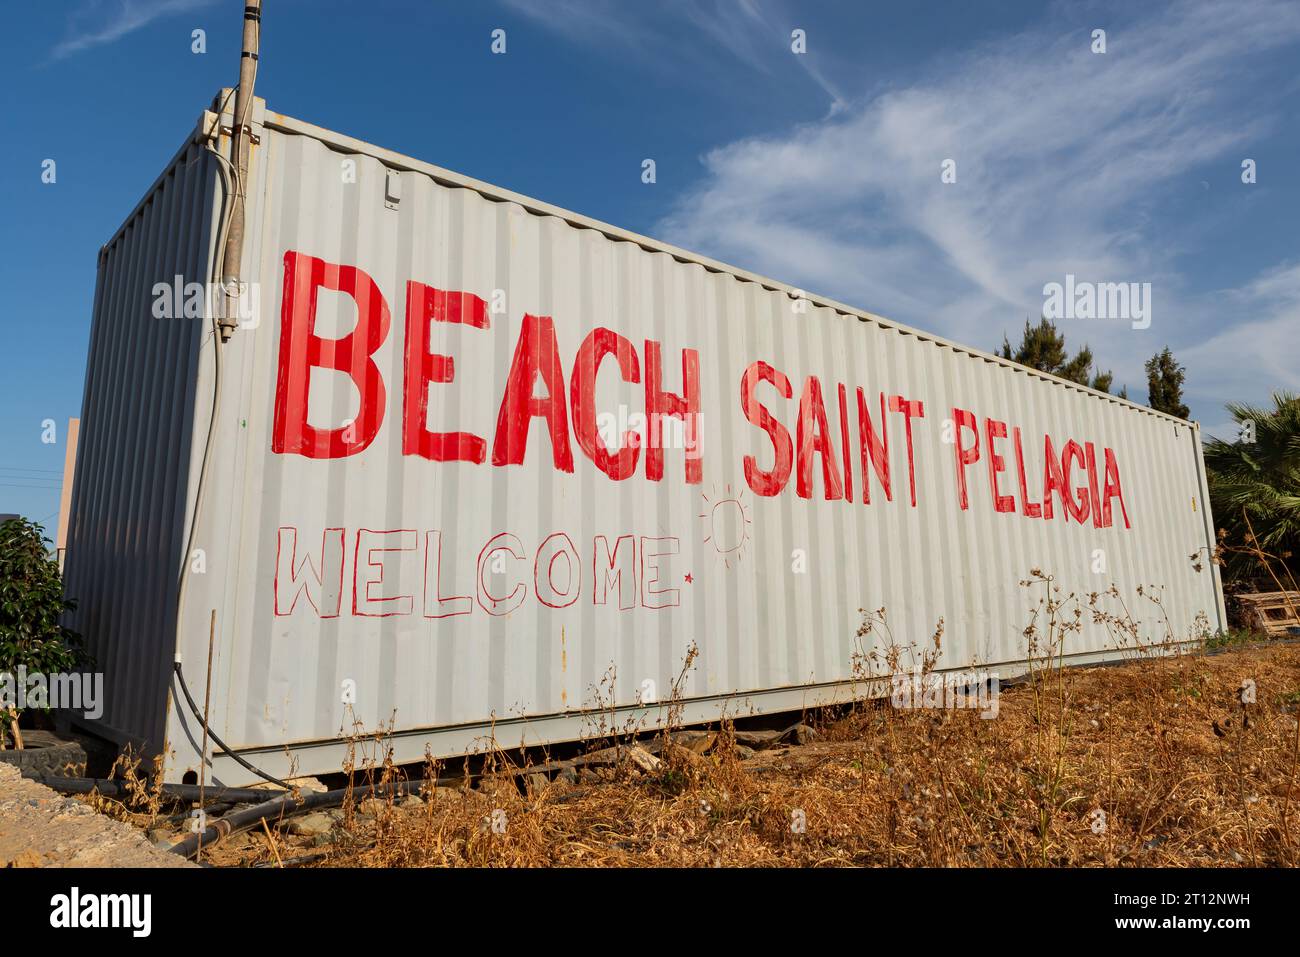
[(1274, 612)]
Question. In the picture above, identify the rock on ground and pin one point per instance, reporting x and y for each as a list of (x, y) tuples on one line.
[(311, 825), (42, 828)]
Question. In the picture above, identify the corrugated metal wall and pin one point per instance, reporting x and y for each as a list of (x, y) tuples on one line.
[(129, 502), (765, 618), (779, 612)]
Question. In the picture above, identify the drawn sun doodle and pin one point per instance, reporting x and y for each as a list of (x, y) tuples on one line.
[(726, 524)]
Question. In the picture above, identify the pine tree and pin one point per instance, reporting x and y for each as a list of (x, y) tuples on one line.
[(1042, 347), (1165, 384)]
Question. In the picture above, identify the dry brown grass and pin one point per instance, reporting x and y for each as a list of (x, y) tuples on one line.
[(1184, 773), (1173, 758)]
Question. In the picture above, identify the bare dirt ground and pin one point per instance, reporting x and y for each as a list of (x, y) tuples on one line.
[(1162, 761), (41, 828)]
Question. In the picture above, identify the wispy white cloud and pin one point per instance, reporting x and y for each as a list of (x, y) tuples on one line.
[(1253, 342), (1064, 158), (98, 23), (675, 33)]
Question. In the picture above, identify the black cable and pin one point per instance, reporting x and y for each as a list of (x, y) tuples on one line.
[(181, 792), (198, 716), (211, 810)]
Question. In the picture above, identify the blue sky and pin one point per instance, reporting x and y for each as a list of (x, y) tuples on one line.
[(819, 169)]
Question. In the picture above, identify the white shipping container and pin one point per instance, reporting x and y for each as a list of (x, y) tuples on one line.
[(486, 468)]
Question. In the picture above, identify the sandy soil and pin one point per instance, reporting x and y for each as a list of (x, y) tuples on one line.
[(41, 828)]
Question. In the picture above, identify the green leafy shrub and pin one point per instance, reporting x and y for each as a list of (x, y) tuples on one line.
[(31, 604)]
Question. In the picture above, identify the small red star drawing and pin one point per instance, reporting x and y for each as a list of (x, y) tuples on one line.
[(689, 579)]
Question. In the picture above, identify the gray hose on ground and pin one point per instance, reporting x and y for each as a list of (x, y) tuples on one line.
[(243, 820)]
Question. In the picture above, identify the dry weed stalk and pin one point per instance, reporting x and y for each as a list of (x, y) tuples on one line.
[(1158, 761)]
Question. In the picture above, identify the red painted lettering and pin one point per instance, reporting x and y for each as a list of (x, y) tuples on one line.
[(813, 439), (771, 482), (962, 419), (598, 344), (537, 355), (910, 409), (301, 350), (425, 304), (993, 429), (660, 404)]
